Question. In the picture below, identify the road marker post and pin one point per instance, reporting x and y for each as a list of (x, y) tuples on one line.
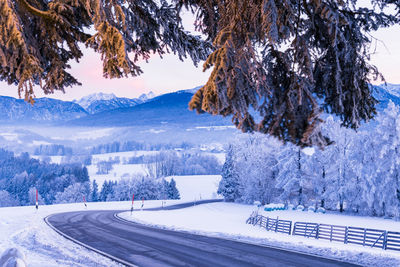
[(142, 204), (37, 199), (84, 201), (133, 198)]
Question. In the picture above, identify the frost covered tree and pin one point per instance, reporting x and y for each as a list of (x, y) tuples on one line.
[(229, 185), (342, 178), (32, 197), (286, 59), (255, 162), (386, 186), (73, 193), (290, 177), (7, 200), (124, 189), (146, 188)]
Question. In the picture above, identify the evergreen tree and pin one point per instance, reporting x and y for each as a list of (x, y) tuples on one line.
[(173, 192), (95, 192), (229, 184), (105, 190)]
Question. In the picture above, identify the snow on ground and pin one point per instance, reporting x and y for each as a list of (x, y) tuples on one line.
[(38, 143), (122, 155), (227, 220), (118, 172), (25, 229), (195, 187), (10, 136), (91, 134)]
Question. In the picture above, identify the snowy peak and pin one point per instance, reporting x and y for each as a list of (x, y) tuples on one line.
[(192, 90), (86, 101), (146, 97), (96, 103)]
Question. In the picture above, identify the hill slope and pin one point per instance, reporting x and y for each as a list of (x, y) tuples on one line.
[(44, 110)]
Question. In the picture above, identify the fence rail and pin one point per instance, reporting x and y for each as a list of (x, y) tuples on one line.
[(271, 224), (387, 240)]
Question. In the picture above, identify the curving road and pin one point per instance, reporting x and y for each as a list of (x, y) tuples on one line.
[(135, 244)]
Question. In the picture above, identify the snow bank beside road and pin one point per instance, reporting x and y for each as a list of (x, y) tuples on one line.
[(24, 228), (227, 220)]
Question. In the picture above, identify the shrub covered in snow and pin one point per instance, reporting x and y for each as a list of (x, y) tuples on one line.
[(321, 210), (300, 208), (311, 209)]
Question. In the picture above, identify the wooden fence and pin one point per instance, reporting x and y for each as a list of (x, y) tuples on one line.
[(271, 224), (387, 240)]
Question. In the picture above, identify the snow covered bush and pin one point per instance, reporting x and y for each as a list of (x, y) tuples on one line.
[(12, 257), (300, 208), (311, 209), (321, 210)]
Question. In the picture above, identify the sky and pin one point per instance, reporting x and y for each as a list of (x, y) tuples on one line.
[(170, 74)]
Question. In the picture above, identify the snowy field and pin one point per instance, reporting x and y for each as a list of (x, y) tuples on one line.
[(118, 172), (227, 220), (25, 229), (197, 187)]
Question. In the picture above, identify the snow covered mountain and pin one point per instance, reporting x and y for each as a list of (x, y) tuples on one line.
[(44, 110), (393, 89), (146, 97), (86, 101), (384, 94), (167, 109), (96, 103)]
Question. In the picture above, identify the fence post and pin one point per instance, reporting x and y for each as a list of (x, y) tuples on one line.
[(276, 224), (330, 239), (346, 233), (290, 228), (267, 224), (365, 233), (384, 244)]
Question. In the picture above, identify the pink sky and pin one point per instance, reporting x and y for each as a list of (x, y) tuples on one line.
[(169, 74)]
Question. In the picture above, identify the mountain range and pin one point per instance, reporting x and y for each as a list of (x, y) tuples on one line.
[(166, 109), (96, 103), (109, 110)]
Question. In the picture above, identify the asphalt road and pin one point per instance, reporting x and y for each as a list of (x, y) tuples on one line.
[(135, 244)]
